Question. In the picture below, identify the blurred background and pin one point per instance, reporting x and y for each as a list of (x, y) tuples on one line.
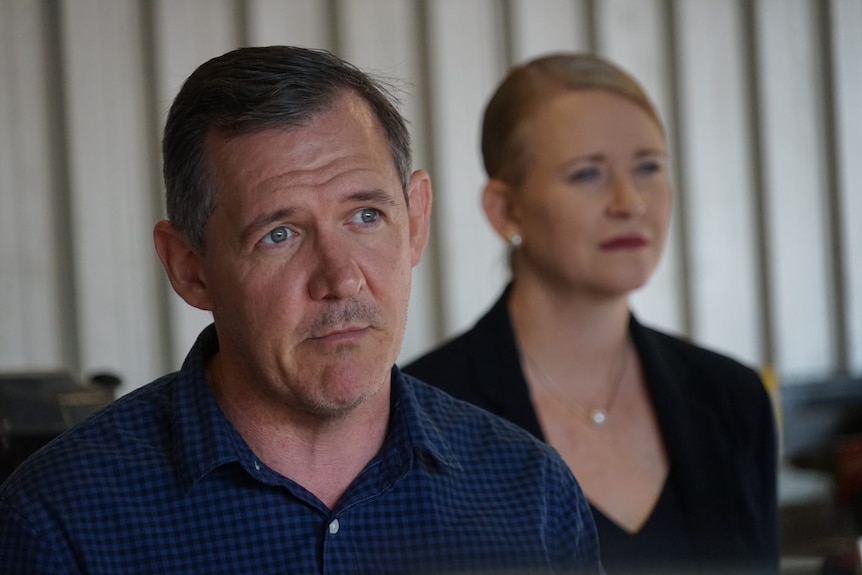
[(762, 100)]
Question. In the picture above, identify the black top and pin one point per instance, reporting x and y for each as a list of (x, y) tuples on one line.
[(662, 545), (713, 412)]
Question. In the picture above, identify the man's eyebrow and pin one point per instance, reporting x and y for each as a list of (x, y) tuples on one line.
[(374, 196), (263, 221)]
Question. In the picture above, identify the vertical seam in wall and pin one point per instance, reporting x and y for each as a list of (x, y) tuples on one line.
[(507, 31), (440, 310), (154, 121), (592, 24), (679, 172), (242, 25), (835, 262), (334, 31), (764, 280), (55, 86)]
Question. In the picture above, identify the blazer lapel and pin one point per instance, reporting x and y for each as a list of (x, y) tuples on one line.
[(697, 451), (498, 373)]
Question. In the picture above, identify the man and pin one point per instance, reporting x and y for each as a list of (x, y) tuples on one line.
[(289, 442)]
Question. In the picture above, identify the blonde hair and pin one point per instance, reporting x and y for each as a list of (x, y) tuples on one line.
[(530, 85)]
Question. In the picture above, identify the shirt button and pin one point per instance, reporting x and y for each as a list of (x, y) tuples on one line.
[(333, 527)]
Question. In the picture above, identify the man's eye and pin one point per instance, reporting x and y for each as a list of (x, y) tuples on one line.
[(277, 236), (367, 216)]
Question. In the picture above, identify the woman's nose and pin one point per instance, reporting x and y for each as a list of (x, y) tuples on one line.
[(626, 200)]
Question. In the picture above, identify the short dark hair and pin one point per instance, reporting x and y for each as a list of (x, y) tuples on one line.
[(254, 89)]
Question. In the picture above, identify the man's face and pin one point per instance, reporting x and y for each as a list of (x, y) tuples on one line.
[(308, 260)]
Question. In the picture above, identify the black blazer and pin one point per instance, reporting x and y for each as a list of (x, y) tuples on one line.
[(715, 417)]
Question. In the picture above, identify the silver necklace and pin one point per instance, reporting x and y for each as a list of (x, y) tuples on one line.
[(597, 416)]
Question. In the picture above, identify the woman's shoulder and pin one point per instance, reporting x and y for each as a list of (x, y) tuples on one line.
[(453, 348), (445, 366), (710, 382), (458, 361), (705, 370), (696, 354)]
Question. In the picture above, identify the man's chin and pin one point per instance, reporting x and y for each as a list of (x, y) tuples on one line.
[(341, 406)]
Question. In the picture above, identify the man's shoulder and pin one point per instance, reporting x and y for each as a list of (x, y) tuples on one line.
[(472, 430), (126, 434), (502, 473)]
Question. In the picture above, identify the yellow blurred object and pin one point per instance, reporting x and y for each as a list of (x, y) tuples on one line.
[(773, 387)]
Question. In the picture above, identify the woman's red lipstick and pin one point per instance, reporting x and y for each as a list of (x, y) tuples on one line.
[(629, 242)]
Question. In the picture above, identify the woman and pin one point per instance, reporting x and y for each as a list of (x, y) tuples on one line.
[(673, 445)]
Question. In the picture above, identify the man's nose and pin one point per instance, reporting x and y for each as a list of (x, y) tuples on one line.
[(336, 274)]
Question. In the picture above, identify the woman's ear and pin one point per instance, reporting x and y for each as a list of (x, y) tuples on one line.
[(499, 205), (183, 265)]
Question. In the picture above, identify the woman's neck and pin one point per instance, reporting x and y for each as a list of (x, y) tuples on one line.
[(567, 322), (572, 345)]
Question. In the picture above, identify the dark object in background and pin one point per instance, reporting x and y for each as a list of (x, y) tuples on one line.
[(822, 432), (817, 417), (37, 407)]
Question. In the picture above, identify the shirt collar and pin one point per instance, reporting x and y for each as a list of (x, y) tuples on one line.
[(204, 439), (413, 422)]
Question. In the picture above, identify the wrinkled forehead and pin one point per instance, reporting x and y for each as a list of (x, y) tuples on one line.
[(347, 139), (346, 109)]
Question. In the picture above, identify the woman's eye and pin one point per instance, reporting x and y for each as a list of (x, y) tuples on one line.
[(584, 175), (277, 235), (367, 216), (649, 168)]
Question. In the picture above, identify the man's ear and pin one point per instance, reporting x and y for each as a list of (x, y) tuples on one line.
[(419, 213), (183, 264), (499, 206)]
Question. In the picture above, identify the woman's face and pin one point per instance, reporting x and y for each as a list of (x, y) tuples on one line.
[(594, 203)]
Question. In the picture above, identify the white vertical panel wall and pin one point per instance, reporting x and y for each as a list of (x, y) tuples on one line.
[(294, 22), (466, 53), (85, 85), (110, 184), (542, 26), (32, 327), (795, 198), (847, 47), (717, 179)]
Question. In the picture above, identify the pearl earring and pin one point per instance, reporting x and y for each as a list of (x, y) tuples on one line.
[(515, 240)]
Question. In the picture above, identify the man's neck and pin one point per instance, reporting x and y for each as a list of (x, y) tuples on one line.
[(324, 459), (324, 455)]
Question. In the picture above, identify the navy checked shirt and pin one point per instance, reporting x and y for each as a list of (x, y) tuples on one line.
[(161, 482)]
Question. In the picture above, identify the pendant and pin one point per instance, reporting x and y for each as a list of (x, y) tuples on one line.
[(598, 416)]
